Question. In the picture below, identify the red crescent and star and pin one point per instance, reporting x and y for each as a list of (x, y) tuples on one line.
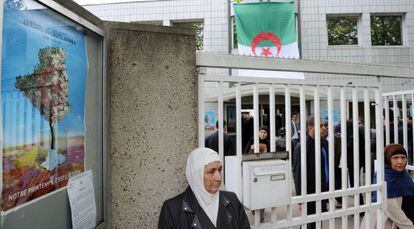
[(266, 36)]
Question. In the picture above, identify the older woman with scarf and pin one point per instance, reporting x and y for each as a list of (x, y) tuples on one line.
[(202, 205), (400, 190)]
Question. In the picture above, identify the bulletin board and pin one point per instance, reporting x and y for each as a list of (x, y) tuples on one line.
[(52, 112)]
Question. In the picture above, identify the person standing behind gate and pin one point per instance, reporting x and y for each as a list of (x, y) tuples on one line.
[(295, 131), (310, 165), (212, 141), (264, 143), (400, 191)]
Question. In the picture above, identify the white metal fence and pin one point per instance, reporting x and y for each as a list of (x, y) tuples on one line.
[(310, 93), (398, 120)]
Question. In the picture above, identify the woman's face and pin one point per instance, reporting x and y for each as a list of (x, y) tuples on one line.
[(262, 134), (212, 177), (398, 162)]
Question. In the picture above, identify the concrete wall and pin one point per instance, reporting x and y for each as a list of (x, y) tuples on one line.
[(153, 118)]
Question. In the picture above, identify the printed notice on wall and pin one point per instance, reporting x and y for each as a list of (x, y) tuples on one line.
[(82, 200)]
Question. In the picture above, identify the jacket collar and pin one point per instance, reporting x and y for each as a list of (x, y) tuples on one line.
[(186, 207), (223, 200), (190, 205), (224, 216)]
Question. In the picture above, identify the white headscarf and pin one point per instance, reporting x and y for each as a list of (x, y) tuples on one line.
[(196, 161)]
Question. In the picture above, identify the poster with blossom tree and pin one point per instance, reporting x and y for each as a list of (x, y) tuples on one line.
[(44, 71)]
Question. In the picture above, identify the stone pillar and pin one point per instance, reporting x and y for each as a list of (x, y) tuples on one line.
[(152, 118)]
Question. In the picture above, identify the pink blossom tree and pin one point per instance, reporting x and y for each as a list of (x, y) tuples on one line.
[(47, 87)]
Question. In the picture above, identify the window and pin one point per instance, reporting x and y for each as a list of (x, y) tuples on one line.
[(342, 30), (386, 30), (198, 26)]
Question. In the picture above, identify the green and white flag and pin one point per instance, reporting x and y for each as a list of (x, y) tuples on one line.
[(267, 29)]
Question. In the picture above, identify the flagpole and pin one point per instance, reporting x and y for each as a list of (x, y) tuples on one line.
[(299, 32), (230, 28)]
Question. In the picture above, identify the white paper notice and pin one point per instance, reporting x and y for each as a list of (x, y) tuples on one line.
[(82, 200)]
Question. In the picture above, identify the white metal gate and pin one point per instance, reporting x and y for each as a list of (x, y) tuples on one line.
[(399, 129), (310, 92)]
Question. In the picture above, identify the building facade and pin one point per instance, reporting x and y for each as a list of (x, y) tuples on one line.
[(314, 22), (376, 32)]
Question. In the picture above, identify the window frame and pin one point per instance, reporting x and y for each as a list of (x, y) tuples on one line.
[(358, 16), (402, 29)]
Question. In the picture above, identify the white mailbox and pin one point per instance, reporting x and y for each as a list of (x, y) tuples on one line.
[(265, 184)]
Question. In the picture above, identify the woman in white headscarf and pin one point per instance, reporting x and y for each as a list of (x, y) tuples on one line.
[(202, 205)]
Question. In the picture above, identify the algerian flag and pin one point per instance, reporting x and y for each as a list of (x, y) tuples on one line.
[(267, 29)]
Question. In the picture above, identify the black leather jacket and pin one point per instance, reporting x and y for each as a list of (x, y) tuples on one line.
[(184, 212)]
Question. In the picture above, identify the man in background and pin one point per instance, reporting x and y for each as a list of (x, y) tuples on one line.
[(295, 131), (212, 141), (310, 165)]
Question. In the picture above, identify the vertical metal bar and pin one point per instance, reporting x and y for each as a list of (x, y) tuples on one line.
[(347, 111), (317, 153), (220, 122), (256, 136), (106, 168), (395, 107), (256, 217), (404, 113), (331, 155), (230, 32), (344, 162), (303, 150), (272, 135), (299, 29), (380, 155), (355, 120), (288, 143), (256, 118), (1, 107), (200, 111), (387, 120), (239, 140), (412, 125), (105, 129), (273, 216), (272, 118), (288, 122), (367, 152)]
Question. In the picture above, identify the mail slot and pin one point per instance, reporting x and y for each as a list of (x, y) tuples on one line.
[(265, 184), (277, 177)]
